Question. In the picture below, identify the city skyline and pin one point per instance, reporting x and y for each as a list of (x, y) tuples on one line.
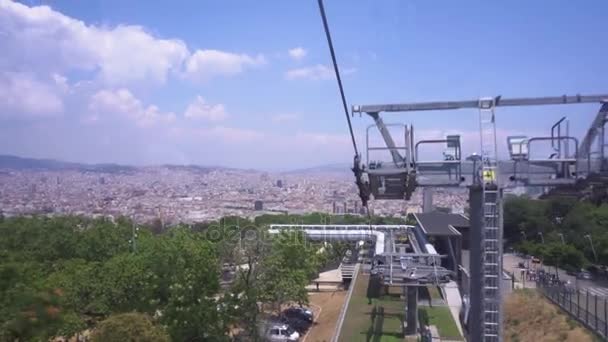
[(191, 194)]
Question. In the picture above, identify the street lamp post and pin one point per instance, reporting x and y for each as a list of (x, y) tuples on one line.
[(542, 238), (588, 236), (133, 240)]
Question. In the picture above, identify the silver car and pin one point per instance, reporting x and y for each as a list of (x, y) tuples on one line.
[(281, 332)]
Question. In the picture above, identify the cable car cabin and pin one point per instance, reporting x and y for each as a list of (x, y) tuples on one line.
[(390, 179), (397, 179), (560, 167)]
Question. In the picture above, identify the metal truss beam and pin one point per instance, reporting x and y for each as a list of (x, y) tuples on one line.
[(500, 102)]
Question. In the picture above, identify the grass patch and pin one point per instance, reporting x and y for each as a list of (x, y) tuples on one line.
[(441, 317), (531, 317), (376, 319)]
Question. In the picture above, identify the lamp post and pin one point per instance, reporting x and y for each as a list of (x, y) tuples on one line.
[(542, 241), (562, 238), (588, 236), (542, 238), (133, 240)]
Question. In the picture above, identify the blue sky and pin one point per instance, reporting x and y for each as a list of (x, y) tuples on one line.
[(249, 84)]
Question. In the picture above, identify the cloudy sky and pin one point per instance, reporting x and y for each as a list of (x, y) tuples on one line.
[(249, 83)]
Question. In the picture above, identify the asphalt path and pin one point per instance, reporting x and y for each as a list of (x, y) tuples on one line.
[(595, 286)]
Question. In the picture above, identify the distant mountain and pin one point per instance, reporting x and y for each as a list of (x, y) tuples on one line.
[(338, 167), (194, 168), (19, 163), (14, 162), (10, 162)]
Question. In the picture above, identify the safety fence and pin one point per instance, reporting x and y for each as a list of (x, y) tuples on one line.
[(588, 308)]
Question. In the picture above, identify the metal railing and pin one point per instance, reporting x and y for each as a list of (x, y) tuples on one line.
[(589, 309), (338, 330)]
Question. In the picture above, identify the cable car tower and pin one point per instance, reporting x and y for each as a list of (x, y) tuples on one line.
[(486, 176)]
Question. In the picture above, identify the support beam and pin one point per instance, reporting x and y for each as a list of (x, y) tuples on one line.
[(475, 323), (500, 102), (412, 310), (388, 139), (593, 131), (427, 200)]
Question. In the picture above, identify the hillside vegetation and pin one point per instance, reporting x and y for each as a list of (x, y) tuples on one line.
[(527, 222), (62, 275), (531, 317)]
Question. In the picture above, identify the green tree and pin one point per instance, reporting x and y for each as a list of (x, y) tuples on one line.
[(522, 214), (246, 293), (82, 284), (289, 267), (39, 316), (127, 283), (192, 272), (563, 256), (133, 327), (101, 239)]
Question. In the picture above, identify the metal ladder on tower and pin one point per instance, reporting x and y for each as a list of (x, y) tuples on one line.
[(491, 232)]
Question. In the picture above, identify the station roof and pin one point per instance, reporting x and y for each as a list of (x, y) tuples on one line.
[(441, 224)]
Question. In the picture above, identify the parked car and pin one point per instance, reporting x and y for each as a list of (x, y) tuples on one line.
[(300, 312), (584, 275), (281, 332), (298, 324)]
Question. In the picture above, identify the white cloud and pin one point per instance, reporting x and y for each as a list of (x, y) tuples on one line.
[(283, 118), (31, 38), (316, 72), (199, 109), (43, 39), (205, 64), (297, 53), (24, 95), (121, 101)]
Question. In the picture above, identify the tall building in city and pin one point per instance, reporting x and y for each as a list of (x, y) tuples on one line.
[(333, 210), (258, 205), (279, 183)]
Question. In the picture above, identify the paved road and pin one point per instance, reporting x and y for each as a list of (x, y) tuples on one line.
[(595, 287)]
